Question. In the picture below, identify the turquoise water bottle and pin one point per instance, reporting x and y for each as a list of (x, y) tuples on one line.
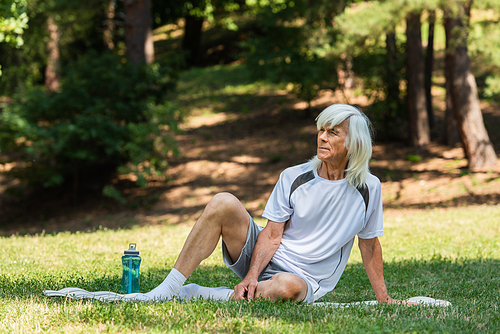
[(131, 262)]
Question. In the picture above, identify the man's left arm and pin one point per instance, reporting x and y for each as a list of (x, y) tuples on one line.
[(371, 254)]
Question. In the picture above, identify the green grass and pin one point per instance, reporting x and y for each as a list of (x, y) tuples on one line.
[(451, 254)]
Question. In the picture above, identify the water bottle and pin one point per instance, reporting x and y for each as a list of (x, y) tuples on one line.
[(131, 262)]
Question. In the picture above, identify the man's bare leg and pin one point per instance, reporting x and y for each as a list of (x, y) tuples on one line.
[(223, 216)]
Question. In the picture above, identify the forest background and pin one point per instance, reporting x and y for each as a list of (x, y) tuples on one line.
[(133, 108), (106, 99)]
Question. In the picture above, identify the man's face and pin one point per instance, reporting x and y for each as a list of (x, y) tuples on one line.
[(331, 143)]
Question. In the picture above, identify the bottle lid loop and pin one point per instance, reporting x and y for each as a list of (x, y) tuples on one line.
[(132, 249)]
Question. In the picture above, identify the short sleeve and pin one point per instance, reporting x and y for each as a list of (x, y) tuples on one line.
[(374, 221), (278, 207)]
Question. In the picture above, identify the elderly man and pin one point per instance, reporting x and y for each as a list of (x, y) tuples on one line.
[(314, 212)]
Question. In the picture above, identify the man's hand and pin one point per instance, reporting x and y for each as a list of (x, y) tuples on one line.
[(245, 290), (267, 243)]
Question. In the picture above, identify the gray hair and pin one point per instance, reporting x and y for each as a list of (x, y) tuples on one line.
[(358, 141)]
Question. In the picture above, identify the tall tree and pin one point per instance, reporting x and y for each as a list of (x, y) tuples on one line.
[(451, 136), (138, 32), (477, 145), (191, 43), (429, 64), (109, 25), (419, 122), (52, 77), (392, 77)]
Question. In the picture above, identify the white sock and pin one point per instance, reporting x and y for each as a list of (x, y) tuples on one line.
[(169, 288), (194, 291)]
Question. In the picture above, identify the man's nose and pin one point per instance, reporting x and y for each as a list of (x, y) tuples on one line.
[(323, 136)]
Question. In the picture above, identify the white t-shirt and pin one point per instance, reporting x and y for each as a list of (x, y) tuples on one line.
[(322, 217)]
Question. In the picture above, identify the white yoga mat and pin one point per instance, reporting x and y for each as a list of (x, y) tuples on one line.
[(108, 296), (76, 293), (419, 300)]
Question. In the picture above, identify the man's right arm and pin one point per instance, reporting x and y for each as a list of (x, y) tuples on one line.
[(267, 243)]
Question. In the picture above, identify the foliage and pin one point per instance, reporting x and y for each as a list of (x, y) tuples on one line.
[(414, 158), (362, 31), (484, 47), (293, 46), (493, 88), (13, 21), (80, 27), (362, 22), (108, 113), (372, 68), (214, 11), (285, 60)]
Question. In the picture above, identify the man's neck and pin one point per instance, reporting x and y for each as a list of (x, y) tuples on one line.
[(330, 172)]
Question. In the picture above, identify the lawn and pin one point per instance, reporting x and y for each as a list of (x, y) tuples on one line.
[(451, 254)]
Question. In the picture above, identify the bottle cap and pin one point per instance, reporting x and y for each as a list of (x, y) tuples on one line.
[(132, 249)]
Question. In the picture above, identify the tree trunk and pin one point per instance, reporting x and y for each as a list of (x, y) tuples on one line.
[(52, 78), (349, 74), (419, 122), (392, 78), (109, 25), (149, 49), (138, 34), (192, 39), (478, 148), (429, 60), (451, 136), (394, 117)]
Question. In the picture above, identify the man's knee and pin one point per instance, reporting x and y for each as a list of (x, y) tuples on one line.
[(227, 212), (222, 203), (290, 287), (284, 286)]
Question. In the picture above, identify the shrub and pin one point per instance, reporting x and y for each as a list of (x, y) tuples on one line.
[(289, 47), (285, 60), (108, 115), (388, 114)]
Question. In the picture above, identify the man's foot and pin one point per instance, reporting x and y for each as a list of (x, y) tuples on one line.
[(194, 291), (167, 290)]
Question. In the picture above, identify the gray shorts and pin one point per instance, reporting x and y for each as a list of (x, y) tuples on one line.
[(242, 265)]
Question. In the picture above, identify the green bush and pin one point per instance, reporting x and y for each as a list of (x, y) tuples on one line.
[(287, 48), (389, 116), (285, 60), (492, 88), (108, 115)]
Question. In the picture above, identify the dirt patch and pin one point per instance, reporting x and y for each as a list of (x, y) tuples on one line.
[(244, 154)]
